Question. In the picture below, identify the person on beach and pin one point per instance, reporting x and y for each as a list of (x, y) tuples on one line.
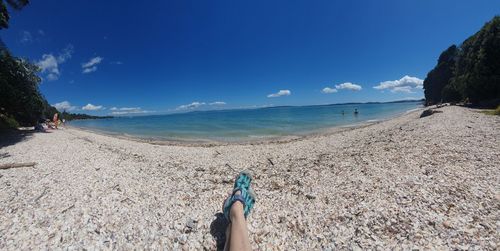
[(55, 120), (236, 209)]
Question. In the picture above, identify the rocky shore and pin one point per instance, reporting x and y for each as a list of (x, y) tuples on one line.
[(405, 183)]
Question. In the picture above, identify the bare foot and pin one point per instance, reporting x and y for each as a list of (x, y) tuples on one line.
[(236, 208)]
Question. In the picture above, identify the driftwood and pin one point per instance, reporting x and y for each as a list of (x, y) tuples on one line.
[(270, 161), (16, 165), (429, 112)]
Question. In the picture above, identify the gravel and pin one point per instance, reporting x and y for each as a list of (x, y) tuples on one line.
[(405, 183)]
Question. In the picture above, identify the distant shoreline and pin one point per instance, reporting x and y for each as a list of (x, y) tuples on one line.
[(244, 141)]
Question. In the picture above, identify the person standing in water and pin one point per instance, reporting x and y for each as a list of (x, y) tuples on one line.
[(356, 111)]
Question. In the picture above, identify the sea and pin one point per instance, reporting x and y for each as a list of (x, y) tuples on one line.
[(247, 124)]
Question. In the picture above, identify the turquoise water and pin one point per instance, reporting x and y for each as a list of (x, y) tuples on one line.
[(247, 124)]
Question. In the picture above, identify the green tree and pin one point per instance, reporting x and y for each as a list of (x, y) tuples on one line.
[(20, 98), (440, 76), (477, 73), (19, 94), (4, 13), (470, 72)]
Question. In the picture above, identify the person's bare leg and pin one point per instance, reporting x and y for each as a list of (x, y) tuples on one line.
[(239, 233), (228, 237)]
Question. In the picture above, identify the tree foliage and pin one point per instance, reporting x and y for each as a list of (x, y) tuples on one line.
[(19, 94), (4, 13), (468, 73), (440, 76), (20, 99)]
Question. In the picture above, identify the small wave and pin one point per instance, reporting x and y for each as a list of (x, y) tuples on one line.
[(412, 110)]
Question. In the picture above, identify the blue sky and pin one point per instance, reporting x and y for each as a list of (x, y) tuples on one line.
[(124, 57)]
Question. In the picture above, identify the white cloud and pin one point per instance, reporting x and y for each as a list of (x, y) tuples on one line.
[(29, 37), (92, 62), (218, 103), (89, 70), (65, 54), (348, 86), (52, 76), (91, 65), (406, 84), (327, 90), (196, 104), (50, 64), (127, 110), (280, 93), (193, 105), (26, 37), (65, 105), (91, 107), (116, 62)]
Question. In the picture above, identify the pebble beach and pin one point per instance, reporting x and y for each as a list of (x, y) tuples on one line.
[(404, 183)]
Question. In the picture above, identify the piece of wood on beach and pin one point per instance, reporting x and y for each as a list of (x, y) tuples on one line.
[(68, 208), (17, 165), (270, 161), (227, 165)]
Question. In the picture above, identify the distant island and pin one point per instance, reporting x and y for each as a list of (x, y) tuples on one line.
[(353, 103), (78, 116)]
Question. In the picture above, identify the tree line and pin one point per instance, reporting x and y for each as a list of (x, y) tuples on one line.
[(470, 72)]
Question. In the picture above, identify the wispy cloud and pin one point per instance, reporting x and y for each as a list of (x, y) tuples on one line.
[(218, 103), (26, 37), (30, 37), (64, 106), (197, 104), (280, 93), (124, 108), (91, 107), (406, 84), (128, 110), (348, 86), (116, 62), (49, 63), (90, 69), (327, 90), (65, 54), (91, 65), (193, 105)]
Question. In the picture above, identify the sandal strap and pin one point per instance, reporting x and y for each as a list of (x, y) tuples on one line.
[(240, 198)]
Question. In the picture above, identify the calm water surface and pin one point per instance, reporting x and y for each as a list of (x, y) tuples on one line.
[(248, 124)]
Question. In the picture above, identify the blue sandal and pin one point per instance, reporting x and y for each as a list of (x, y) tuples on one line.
[(243, 180), (247, 198)]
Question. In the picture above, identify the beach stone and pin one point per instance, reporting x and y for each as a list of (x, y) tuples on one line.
[(310, 196), (191, 225)]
